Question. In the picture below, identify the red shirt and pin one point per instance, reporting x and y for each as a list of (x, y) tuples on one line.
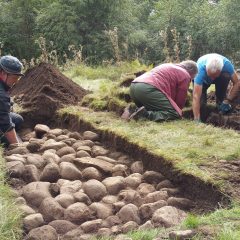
[(172, 80)]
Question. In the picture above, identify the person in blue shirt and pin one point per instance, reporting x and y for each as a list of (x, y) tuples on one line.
[(10, 72), (214, 69)]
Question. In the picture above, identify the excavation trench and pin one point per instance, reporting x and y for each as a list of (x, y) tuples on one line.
[(74, 181), (96, 200)]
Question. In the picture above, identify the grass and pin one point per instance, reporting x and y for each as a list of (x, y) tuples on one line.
[(10, 217), (193, 148), (91, 78), (223, 223)]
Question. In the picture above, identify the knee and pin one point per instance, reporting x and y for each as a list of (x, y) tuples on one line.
[(17, 120)]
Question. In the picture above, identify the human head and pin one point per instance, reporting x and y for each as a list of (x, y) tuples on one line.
[(10, 70), (214, 66), (11, 65), (191, 67)]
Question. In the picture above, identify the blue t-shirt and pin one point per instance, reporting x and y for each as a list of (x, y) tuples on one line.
[(202, 76)]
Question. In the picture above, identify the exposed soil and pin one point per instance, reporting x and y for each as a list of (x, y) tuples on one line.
[(44, 89), (231, 120), (206, 196)]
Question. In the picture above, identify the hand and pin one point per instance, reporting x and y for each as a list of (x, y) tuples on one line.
[(225, 108)]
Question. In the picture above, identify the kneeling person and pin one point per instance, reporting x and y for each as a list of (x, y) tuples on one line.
[(161, 93), (218, 70), (10, 72)]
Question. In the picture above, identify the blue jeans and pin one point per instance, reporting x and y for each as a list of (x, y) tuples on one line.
[(17, 120), (221, 85)]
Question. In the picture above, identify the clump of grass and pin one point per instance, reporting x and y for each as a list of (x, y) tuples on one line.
[(192, 221), (226, 221), (111, 72), (10, 217), (228, 232), (208, 142), (233, 156), (143, 235)]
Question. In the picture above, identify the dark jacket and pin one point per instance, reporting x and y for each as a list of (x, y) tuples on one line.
[(6, 123)]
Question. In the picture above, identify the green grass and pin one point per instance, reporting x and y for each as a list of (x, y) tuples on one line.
[(10, 217), (193, 148), (226, 223), (91, 78), (144, 235)]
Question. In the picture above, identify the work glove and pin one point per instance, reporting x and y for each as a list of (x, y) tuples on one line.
[(225, 108)]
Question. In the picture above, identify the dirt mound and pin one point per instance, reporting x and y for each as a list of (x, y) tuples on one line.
[(44, 89)]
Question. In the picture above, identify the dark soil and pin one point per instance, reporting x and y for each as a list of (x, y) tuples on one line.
[(44, 89)]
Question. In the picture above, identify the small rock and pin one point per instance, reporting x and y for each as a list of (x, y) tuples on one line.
[(35, 192), (55, 131), (129, 226), (82, 197), (91, 173), (101, 210), (82, 153), (15, 169), (104, 232), (62, 226), (33, 146), (128, 213), (146, 226), (89, 135), (69, 171), (26, 210), (65, 200), (95, 190), (114, 184), (67, 158), (65, 150), (51, 210), (70, 186), (152, 177), (40, 130), (33, 221), (31, 174), (168, 216), (91, 226), (137, 167), (75, 135), (51, 173), (99, 151), (182, 203), (182, 235), (164, 184), (45, 232), (77, 213), (144, 189)]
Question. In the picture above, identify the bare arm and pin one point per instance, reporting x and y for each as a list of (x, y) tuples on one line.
[(11, 136), (197, 92), (235, 89)]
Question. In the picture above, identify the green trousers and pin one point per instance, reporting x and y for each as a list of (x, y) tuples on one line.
[(154, 101)]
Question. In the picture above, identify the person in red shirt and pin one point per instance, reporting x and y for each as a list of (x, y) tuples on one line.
[(161, 93)]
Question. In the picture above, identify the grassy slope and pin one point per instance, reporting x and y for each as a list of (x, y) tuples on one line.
[(193, 148)]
